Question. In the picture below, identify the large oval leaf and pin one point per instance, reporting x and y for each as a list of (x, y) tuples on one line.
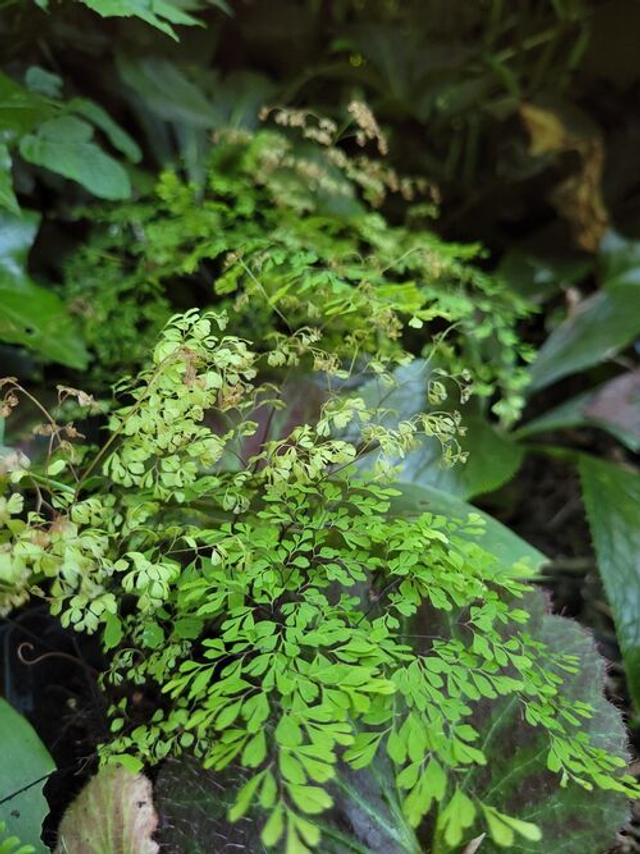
[(25, 767), (65, 145), (113, 814)]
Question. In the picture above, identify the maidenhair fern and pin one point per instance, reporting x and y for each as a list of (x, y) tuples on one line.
[(287, 235), (291, 620)]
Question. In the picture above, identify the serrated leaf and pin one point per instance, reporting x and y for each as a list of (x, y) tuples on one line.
[(599, 328), (612, 501), (113, 814), (24, 771), (65, 146)]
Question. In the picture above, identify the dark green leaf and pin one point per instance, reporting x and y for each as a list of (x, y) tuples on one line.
[(539, 277), (118, 137), (25, 764), (7, 196), (21, 110), (612, 500), (65, 145), (600, 327), (29, 314), (619, 260), (166, 91), (43, 82), (613, 406), (194, 803)]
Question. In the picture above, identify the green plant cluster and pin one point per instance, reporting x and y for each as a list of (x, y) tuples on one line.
[(285, 234), (276, 605), (305, 629)]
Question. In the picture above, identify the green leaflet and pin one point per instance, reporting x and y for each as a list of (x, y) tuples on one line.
[(601, 326), (612, 500), (508, 547), (29, 314), (515, 778), (113, 814), (26, 764), (366, 817), (424, 465), (11, 844), (65, 145)]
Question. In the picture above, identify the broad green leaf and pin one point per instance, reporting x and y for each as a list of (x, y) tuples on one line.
[(43, 82), (613, 406), (423, 466), (113, 814), (20, 109), (600, 327), (65, 145), (368, 803), (508, 547), (516, 780), (17, 234), (612, 500), (24, 769), (7, 196), (29, 314), (118, 137)]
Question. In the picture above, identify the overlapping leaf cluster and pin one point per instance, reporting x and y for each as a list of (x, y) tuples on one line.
[(279, 605), (286, 234)]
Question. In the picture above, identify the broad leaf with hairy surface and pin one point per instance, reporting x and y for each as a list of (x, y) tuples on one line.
[(113, 814)]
